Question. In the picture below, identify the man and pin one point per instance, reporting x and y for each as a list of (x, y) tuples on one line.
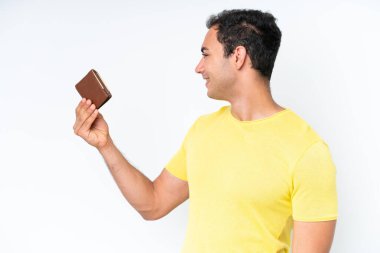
[(253, 170)]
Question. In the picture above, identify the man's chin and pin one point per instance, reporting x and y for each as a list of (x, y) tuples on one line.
[(209, 94), (213, 96)]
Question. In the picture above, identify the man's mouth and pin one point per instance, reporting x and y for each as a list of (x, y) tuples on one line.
[(206, 78)]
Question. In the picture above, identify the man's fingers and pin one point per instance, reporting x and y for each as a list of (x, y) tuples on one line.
[(77, 110), (90, 119), (83, 111), (79, 105)]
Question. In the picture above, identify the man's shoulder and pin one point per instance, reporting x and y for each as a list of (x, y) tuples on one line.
[(298, 127), (297, 135)]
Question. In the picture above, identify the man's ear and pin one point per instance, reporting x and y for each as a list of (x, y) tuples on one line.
[(239, 57)]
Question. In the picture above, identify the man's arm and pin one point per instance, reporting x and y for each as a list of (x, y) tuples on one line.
[(152, 200), (313, 237)]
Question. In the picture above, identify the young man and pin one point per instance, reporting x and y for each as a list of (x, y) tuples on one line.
[(253, 170)]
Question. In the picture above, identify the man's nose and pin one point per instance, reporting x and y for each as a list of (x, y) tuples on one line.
[(200, 67)]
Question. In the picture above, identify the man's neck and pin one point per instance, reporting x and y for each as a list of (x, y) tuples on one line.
[(254, 101)]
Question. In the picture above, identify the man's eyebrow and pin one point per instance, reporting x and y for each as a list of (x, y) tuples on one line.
[(203, 49)]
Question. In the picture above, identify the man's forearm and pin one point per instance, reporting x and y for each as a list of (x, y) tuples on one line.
[(135, 186)]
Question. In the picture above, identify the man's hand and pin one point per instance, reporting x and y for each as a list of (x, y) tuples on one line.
[(90, 124)]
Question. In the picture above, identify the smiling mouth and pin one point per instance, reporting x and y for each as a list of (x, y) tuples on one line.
[(207, 80)]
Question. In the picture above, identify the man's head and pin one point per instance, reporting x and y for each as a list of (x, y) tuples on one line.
[(238, 40)]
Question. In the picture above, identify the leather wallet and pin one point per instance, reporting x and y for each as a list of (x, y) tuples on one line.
[(92, 87)]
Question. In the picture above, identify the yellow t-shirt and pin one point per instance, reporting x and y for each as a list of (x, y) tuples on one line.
[(248, 180)]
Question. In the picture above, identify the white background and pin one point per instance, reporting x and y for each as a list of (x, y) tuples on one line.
[(56, 194)]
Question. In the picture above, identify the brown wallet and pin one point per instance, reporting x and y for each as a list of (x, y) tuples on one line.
[(92, 87)]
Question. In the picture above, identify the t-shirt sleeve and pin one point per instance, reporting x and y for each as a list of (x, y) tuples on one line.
[(314, 196), (177, 166)]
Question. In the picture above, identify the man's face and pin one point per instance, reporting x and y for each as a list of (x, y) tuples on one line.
[(215, 69)]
